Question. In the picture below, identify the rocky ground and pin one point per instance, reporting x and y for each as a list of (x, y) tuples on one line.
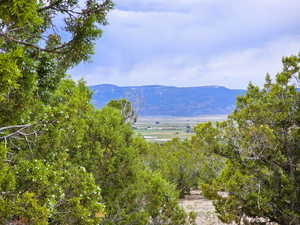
[(202, 207), (205, 210)]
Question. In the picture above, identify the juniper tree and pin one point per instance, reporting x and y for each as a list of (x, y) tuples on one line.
[(260, 141)]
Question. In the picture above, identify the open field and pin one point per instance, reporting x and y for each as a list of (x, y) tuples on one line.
[(161, 129)]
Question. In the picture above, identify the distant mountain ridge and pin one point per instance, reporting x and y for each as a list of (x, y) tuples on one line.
[(157, 100)]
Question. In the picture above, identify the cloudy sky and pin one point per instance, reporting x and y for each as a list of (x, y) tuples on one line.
[(193, 42)]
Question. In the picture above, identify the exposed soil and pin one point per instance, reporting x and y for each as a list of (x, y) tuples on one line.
[(202, 207), (205, 210)]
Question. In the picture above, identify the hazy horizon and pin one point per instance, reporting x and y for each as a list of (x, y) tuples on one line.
[(151, 85)]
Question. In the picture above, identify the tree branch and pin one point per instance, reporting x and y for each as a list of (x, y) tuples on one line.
[(15, 126), (19, 132), (51, 50), (50, 6)]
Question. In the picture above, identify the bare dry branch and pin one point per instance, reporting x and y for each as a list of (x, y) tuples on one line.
[(15, 126)]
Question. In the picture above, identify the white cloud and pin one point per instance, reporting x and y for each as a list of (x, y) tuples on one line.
[(233, 69), (237, 69), (194, 42)]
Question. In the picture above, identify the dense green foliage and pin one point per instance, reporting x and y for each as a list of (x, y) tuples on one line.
[(183, 163), (61, 160), (260, 141)]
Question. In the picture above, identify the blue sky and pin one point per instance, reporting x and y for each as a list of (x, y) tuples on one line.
[(193, 42)]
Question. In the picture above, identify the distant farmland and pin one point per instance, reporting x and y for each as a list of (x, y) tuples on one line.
[(162, 129)]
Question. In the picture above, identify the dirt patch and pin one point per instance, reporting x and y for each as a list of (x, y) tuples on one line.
[(202, 207), (205, 210)]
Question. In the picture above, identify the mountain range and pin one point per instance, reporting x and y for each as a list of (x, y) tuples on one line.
[(156, 100)]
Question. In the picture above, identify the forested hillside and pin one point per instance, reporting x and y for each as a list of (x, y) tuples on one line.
[(170, 101), (64, 162)]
